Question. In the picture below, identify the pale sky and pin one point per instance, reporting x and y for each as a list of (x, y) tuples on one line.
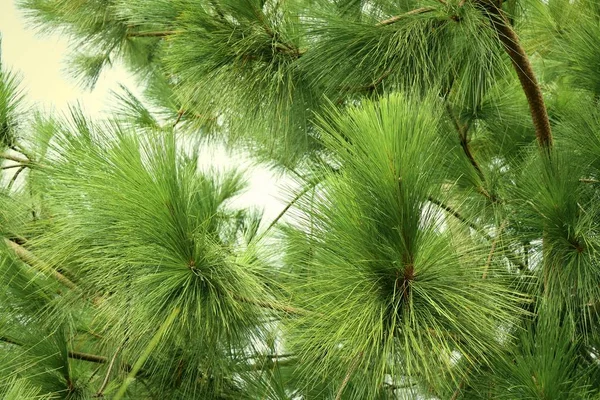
[(42, 60)]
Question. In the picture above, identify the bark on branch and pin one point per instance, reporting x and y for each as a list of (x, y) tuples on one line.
[(397, 18), (29, 258), (153, 34), (511, 257), (100, 392), (14, 158), (87, 357), (71, 354), (463, 135), (519, 59), (522, 66), (351, 371)]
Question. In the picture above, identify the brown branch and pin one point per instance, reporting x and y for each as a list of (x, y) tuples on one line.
[(278, 43), (14, 158), (179, 115), (100, 392), (269, 356), (71, 354), (511, 257), (492, 250), (291, 204), (9, 341), (463, 131), (378, 81), (348, 375), (87, 357), (153, 34), (21, 150), (22, 162), (459, 389), (397, 18), (373, 85), (586, 180), (29, 258), (486, 194), (454, 213), (14, 178), (13, 166), (522, 66)]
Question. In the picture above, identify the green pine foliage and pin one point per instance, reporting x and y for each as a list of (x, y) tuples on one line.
[(440, 237), (11, 105)]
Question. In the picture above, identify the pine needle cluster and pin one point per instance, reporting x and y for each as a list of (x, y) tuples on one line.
[(441, 235)]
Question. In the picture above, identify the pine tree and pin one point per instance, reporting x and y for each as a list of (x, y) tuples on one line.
[(443, 161)]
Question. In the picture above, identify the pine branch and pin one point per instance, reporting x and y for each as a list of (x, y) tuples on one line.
[(463, 131), (511, 257), (279, 44), (397, 18), (371, 86), (153, 34), (179, 115), (459, 389), (21, 150), (454, 213), (183, 112), (22, 162), (30, 259), (14, 158), (14, 177), (100, 392), (520, 61), (378, 81), (13, 166), (492, 250), (290, 205), (522, 66), (71, 354), (10, 341), (146, 353), (351, 371), (87, 357), (270, 356)]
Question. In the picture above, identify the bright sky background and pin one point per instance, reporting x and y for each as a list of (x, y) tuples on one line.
[(42, 62)]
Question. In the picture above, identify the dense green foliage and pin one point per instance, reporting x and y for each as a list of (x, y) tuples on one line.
[(441, 160)]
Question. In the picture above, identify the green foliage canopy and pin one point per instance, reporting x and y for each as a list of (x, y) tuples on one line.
[(440, 241)]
